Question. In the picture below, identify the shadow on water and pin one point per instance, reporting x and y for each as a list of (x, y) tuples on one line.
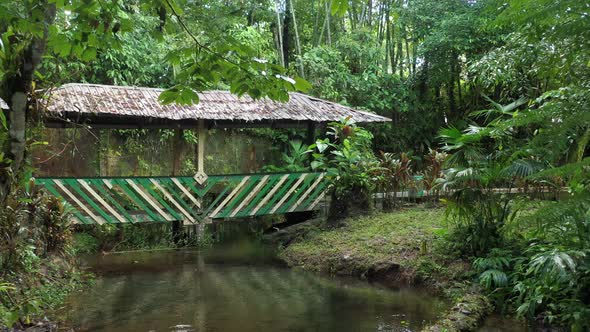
[(236, 286)]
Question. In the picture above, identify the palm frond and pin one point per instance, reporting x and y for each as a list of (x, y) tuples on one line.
[(499, 109), (522, 168)]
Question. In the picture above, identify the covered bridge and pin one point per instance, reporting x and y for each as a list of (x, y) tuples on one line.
[(202, 196)]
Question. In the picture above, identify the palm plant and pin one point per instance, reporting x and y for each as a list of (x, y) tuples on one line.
[(481, 179), (544, 145)]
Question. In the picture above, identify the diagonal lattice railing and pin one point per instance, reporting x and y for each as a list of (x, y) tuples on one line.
[(160, 199)]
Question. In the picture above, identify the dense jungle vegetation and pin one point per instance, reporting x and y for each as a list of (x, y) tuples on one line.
[(484, 95)]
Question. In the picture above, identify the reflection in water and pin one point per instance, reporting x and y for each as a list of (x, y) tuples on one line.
[(219, 291), (496, 323)]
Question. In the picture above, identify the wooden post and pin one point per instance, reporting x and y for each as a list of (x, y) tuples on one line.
[(202, 136), (176, 154), (176, 231), (177, 150), (201, 177), (310, 138)]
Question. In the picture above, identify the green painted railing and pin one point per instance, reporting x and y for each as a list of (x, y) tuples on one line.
[(161, 199)]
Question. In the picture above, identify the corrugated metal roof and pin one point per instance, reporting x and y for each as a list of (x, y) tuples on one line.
[(214, 105), (3, 104)]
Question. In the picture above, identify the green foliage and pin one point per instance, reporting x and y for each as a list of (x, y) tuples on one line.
[(328, 74), (394, 175), (347, 158), (295, 160), (139, 60), (542, 143), (350, 164), (21, 310), (85, 243), (424, 63), (32, 226), (35, 254)]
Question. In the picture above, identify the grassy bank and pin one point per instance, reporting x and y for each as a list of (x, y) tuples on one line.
[(405, 247), (408, 241)]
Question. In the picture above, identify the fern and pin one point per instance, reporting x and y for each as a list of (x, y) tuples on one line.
[(492, 279)]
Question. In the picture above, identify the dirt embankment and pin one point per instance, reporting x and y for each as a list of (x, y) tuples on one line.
[(401, 248)]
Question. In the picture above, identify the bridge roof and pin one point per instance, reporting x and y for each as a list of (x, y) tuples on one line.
[(123, 105)]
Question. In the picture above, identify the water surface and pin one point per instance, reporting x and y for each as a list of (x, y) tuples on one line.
[(236, 288)]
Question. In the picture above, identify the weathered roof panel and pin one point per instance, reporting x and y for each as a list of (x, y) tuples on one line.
[(127, 101)]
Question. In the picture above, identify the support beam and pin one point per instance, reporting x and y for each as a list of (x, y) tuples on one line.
[(202, 136), (120, 122), (310, 137)]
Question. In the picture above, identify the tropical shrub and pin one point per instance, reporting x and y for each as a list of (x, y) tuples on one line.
[(350, 164), (295, 160), (35, 255), (544, 275), (32, 225), (395, 175)]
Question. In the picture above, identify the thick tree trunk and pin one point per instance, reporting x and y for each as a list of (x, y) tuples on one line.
[(16, 90), (18, 108)]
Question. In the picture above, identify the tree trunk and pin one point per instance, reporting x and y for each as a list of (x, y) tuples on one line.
[(328, 14), (400, 58), (297, 41), (286, 32), (451, 87), (279, 36), (408, 57), (352, 16), (414, 56), (316, 23), (370, 13), (17, 89)]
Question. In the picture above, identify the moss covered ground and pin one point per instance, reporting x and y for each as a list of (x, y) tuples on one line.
[(409, 241)]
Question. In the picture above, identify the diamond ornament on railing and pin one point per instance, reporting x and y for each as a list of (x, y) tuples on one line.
[(201, 177)]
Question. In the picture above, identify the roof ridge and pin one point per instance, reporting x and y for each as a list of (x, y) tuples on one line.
[(146, 88), (111, 86)]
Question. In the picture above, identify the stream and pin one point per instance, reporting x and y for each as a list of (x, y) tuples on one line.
[(237, 286)]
